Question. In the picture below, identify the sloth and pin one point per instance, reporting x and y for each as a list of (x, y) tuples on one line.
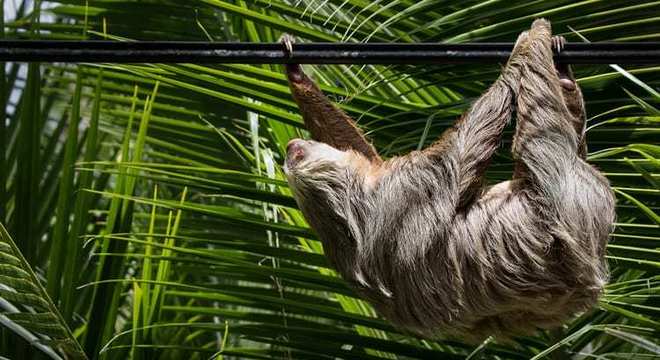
[(426, 242)]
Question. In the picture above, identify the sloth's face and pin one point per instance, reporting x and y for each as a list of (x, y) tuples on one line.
[(302, 155), (321, 174), (310, 162), (318, 172)]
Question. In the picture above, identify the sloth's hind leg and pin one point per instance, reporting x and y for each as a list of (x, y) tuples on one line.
[(566, 192), (546, 143)]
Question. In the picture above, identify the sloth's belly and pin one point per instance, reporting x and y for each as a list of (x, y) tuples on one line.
[(504, 267), (502, 189)]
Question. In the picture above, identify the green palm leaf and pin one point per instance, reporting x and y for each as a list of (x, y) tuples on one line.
[(27, 309)]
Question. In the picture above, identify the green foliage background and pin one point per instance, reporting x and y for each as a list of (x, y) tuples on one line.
[(147, 215)]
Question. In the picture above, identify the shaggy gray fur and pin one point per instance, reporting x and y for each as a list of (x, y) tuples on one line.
[(435, 251)]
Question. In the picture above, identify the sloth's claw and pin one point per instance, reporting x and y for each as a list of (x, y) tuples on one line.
[(293, 71), (287, 40), (563, 70), (558, 43)]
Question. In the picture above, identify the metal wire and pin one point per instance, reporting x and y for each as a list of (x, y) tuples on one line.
[(311, 53)]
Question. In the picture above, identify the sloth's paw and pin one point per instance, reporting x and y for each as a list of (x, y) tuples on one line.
[(563, 71), (558, 43), (293, 71)]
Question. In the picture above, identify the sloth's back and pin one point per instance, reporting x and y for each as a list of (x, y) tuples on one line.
[(513, 262)]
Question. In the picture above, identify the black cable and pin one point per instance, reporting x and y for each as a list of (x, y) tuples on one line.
[(311, 53)]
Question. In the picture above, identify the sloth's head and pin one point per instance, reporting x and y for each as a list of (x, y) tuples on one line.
[(326, 180), (315, 169), (305, 157)]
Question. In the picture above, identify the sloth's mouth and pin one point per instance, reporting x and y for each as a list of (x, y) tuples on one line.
[(295, 152)]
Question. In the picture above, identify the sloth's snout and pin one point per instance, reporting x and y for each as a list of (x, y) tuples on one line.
[(295, 151)]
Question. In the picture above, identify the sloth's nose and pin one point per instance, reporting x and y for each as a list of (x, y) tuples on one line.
[(295, 150), (293, 145)]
